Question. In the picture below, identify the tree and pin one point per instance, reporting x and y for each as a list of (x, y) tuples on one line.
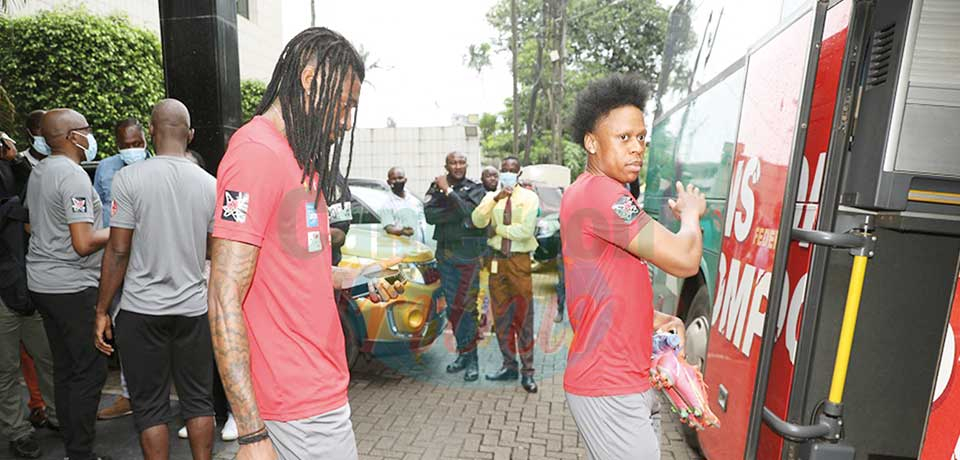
[(601, 36), (514, 42), (478, 57), (7, 110), (8, 113), (100, 66), (557, 32)]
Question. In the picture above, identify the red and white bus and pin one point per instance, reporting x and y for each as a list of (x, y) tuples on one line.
[(841, 118)]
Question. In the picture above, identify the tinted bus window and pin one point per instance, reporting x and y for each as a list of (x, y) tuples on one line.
[(710, 37), (661, 171), (708, 139)]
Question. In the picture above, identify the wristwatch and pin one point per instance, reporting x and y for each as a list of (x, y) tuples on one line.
[(448, 191)]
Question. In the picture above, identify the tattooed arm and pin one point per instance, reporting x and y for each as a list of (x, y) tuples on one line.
[(232, 267), (112, 271)]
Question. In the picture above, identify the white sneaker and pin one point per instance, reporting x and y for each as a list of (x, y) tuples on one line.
[(229, 431), (182, 434)]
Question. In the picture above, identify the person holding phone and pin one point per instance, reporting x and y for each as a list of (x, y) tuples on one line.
[(511, 214)]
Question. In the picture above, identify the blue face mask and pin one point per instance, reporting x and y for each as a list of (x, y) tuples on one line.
[(508, 179), (91, 150), (133, 155), (40, 145)]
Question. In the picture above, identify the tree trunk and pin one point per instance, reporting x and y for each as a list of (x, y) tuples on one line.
[(516, 100), (559, 44), (531, 116), (537, 83)]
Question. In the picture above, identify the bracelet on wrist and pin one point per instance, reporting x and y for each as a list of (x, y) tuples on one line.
[(253, 438)]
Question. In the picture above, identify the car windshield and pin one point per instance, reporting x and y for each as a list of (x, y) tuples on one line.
[(366, 204)]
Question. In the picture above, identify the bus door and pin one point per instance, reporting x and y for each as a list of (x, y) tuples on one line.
[(892, 165), (767, 135)]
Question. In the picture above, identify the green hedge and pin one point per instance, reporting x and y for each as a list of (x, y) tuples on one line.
[(250, 93), (7, 115), (100, 66)]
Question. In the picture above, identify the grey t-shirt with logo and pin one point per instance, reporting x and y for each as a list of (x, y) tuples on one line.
[(59, 193), (169, 203)]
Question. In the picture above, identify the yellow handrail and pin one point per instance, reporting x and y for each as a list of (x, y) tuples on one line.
[(848, 328)]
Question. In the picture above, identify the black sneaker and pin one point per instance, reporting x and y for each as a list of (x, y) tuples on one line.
[(25, 447), (458, 364)]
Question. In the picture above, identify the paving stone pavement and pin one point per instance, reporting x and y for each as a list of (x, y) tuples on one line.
[(406, 409), (412, 409)]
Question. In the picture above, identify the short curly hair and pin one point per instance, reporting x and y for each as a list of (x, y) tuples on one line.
[(603, 95)]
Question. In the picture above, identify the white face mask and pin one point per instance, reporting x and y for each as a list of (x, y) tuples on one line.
[(132, 155), (40, 145), (508, 179), (91, 150)]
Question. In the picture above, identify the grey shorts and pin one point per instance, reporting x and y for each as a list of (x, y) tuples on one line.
[(326, 436), (624, 427)]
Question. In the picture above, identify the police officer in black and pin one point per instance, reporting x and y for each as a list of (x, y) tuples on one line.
[(449, 203)]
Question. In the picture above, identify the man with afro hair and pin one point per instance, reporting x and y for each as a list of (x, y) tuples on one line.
[(607, 242)]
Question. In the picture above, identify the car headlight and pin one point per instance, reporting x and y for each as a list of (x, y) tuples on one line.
[(411, 272)]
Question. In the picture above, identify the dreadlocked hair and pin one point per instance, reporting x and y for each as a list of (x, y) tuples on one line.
[(312, 117)]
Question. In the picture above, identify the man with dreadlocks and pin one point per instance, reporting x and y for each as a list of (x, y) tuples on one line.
[(275, 325)]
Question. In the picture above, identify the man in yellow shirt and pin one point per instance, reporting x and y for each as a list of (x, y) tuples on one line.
[(512, 213)]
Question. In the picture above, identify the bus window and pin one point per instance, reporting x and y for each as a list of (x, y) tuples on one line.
[(661, 171), (706, 146), (709, 38), (730, 40), (685, 37)]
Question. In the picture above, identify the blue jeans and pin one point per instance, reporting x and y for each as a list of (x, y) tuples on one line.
[(460, 281)]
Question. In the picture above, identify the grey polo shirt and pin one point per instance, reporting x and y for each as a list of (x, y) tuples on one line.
[(169, 203), (59, 193)]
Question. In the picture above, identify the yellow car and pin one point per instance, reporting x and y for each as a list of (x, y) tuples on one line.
[(411, 322)]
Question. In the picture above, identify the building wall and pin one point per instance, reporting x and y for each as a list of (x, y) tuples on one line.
[(421, 152), (259, 36), (260, 39)]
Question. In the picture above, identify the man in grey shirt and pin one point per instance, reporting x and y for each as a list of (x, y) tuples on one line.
[(63, 264), (163, 210)]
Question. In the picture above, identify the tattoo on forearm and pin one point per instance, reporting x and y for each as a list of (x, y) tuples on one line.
[(232, 268)]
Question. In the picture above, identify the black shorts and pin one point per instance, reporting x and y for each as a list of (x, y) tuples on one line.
[(156, 348)]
